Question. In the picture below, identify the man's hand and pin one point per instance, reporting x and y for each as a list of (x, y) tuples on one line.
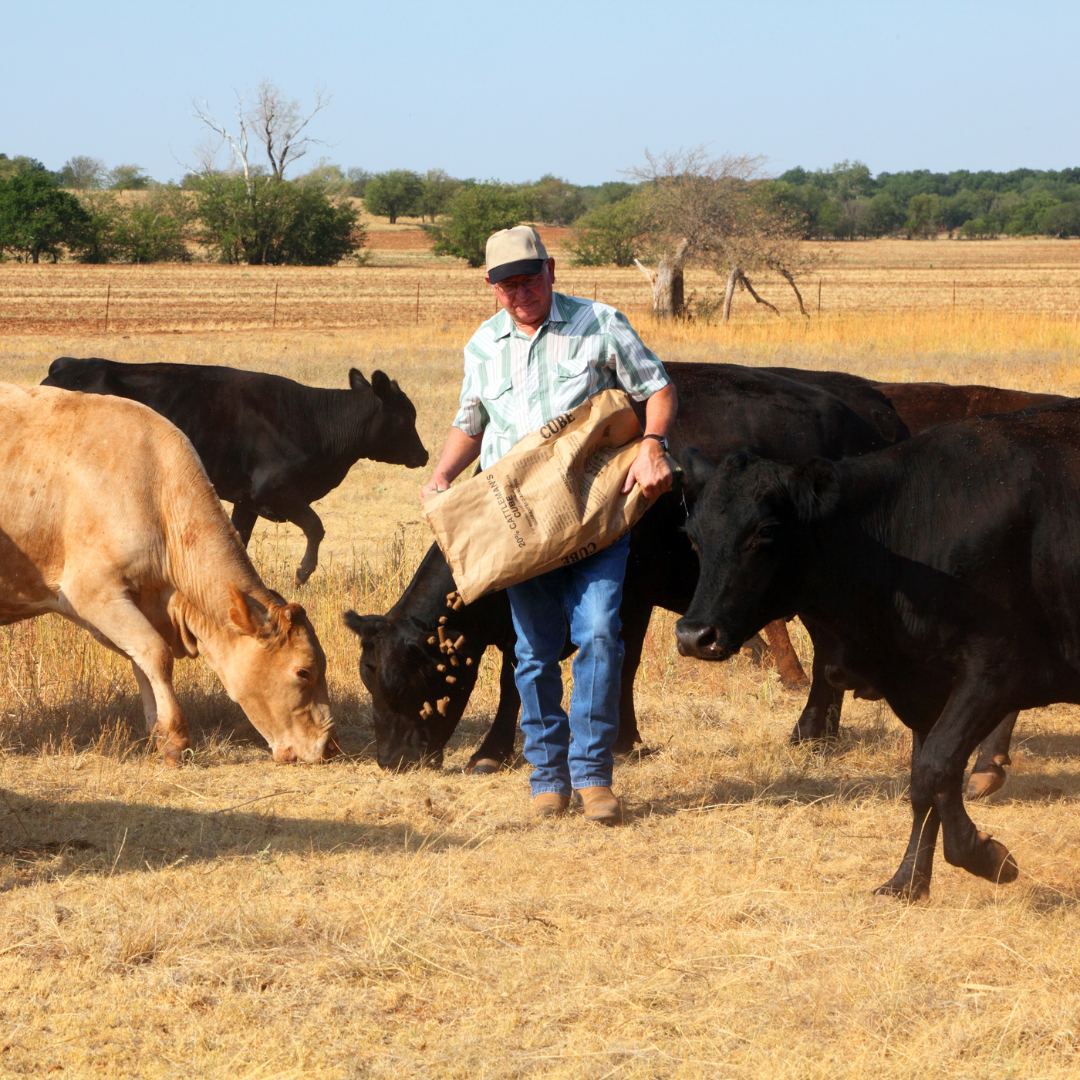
[(650, 471), (437, 483), (460, 451)]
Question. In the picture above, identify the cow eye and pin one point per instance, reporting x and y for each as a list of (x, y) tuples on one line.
[(303, 674)]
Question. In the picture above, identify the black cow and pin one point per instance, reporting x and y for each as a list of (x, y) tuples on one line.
[(270, 446), (721, 406), (946, 567)]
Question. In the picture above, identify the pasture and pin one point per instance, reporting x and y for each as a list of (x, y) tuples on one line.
[(236, 919)]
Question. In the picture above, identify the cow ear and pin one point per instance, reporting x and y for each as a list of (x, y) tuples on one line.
[(240, 613), (697, 469), (357, 380), (814, 487), (366, 626), (381, 384)]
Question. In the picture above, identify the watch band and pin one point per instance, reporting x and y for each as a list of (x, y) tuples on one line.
[(659, 438)]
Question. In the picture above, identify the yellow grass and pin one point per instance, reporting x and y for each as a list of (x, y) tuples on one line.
[(355, 923)]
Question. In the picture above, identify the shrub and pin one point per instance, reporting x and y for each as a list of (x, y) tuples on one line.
[(475, 212), (274, 222), (611, 233)]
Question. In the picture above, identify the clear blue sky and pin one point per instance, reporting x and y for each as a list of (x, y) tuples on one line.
[(513, 89)]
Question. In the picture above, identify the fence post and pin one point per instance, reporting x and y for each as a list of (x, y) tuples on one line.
[(108, 297), (594, 291), (273, 325)]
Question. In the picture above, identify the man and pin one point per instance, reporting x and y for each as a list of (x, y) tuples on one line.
[(542, 355)]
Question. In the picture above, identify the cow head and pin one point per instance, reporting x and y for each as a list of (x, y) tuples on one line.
[(274, 668), (391, 430), (747, 526), (415, 709)]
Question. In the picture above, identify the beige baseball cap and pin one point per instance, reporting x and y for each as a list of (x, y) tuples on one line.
[(515, 251)]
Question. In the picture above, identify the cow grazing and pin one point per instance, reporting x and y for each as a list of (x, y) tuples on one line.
[(270, 446), (107, 518), (722, 406), (945, 566)]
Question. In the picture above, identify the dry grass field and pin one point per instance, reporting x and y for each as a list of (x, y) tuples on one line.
[(237, 919)]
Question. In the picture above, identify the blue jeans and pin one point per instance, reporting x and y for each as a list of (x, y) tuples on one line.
[(571, 751)]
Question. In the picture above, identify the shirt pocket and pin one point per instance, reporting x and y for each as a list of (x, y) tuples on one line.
[(576, 374), (495, 390)]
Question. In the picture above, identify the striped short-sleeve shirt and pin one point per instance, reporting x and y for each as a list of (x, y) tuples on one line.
[(514, 384)]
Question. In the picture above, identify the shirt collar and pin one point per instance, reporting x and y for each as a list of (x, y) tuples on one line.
[(556, 315)]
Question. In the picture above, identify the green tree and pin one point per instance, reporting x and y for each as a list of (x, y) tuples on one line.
[(393, 193), (19, 164), (474, 213), (439, 188), (128, 178), (614, 232), (37, 218), (553, 201), (358, 179), (924, 216), (262, 221)]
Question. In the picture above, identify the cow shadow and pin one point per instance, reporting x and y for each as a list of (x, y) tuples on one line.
[(42, 839), (791, 790)]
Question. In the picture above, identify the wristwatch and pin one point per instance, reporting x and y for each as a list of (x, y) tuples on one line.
[(660, 439)]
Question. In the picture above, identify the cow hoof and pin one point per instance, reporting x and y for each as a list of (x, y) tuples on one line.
[(905, 886), (1005, 868), (794, 684), (985, 782), (484, 767)]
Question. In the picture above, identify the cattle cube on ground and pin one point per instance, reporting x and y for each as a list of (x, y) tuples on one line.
[(947, 569), (271, 446), (107, 518)]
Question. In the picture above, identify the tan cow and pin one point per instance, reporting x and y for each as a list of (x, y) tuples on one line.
[(107, 517)]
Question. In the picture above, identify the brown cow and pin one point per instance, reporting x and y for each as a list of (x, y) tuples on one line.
[(107, 517)]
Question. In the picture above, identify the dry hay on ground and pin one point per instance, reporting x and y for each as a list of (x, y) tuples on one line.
[(234, 918), (873, 277)]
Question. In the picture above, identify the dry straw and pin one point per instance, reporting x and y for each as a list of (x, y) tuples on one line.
[(232, 918)]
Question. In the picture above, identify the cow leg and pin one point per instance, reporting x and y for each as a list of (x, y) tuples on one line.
[(940, 775), (792, 676), (126, 629), (988, 772), (635, 624), (912, 880), (310, 523), (498, 745), (820, 718), (244, 516)]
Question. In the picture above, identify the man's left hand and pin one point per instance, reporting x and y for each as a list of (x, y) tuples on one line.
[(650, 470)]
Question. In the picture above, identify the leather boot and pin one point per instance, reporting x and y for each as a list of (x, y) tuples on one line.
[(600, 805), (550, 804)]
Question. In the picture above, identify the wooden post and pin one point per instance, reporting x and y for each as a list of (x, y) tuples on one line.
[(418, 303), (108, 297), (274, 324), (594, 291), (819, 296)]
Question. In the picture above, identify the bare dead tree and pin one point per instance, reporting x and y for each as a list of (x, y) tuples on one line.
[(689, 201), (711, 212), (270, 120)]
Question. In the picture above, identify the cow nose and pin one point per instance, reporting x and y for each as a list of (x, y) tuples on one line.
[(331, 748), (697, 639), (284, 755)]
